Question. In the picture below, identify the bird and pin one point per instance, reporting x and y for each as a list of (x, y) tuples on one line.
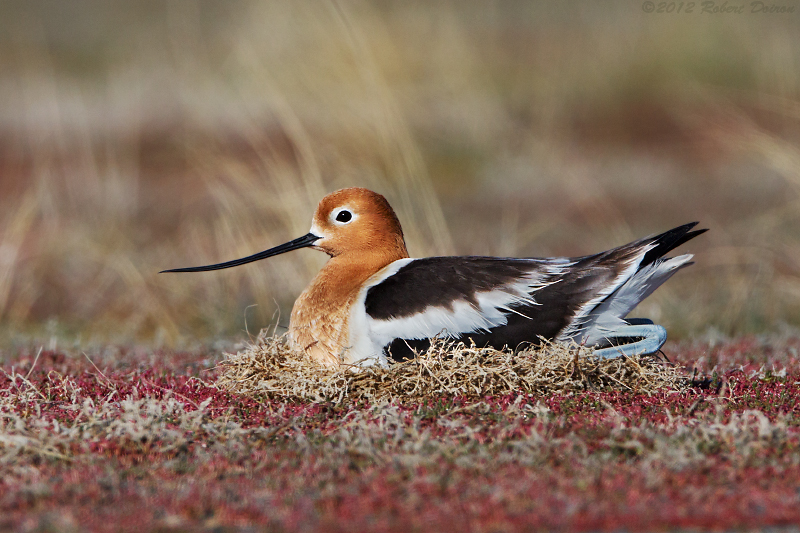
[(372, 303)]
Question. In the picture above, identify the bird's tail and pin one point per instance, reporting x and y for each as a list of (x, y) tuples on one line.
[(653, 270)]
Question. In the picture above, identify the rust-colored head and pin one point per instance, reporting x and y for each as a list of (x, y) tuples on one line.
[(357, 221)]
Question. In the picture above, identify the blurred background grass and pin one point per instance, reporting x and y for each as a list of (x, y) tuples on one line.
[(141, 136)]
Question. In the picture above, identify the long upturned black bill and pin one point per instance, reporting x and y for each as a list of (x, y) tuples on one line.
[(301, 242)]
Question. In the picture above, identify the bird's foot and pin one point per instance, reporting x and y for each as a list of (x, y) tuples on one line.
[(639, 337)]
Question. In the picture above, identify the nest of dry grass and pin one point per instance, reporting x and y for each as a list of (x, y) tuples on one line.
[(270, 368)]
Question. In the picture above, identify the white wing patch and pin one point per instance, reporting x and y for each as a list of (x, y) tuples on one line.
[(462, 317)]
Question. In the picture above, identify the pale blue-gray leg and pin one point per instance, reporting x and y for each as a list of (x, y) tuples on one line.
[(652, 338)]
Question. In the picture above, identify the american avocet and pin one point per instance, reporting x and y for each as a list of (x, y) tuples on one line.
[(372, 301)]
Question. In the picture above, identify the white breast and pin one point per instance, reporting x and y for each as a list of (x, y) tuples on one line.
[(364, 349)]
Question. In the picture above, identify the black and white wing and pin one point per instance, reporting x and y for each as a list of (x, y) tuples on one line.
[(508, 301)]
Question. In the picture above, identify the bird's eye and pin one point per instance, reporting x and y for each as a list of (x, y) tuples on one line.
[(344, 216)]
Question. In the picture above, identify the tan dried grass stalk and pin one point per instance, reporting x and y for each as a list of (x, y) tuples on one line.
[(270, 368)]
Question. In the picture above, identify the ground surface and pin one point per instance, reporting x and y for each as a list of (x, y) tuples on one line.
[(133, 440)]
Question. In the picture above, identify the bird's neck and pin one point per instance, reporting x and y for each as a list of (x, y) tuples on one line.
[(343, 275)]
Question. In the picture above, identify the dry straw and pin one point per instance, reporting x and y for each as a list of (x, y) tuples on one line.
[(270, 368)]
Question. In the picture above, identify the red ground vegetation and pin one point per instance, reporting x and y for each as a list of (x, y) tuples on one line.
[(147, 441)]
